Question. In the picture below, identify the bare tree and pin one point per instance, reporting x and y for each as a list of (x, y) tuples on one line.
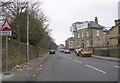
[(18, 6)]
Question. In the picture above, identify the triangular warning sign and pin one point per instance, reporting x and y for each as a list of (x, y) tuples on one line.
[(6, 26)]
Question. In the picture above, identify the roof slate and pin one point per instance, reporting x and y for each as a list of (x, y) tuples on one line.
[(92, 24)]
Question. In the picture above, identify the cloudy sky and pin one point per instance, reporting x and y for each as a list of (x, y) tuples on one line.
[(62, 13)]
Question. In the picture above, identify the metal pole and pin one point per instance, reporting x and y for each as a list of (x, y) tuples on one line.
[(1, 44), (27, 33), (6, 44), (7, 73), (6, 53)]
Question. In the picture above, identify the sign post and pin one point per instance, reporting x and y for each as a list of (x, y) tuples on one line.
[(6, 53), (6, 31)]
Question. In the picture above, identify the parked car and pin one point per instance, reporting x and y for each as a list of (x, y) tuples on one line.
[(67, 51), (52, 51), (61, 50)]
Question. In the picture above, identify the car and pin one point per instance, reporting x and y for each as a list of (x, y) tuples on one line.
[(61, 50), (67, 51), (52, 51), (64, 50)]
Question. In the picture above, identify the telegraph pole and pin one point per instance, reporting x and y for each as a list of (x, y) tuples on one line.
[(27, 32)]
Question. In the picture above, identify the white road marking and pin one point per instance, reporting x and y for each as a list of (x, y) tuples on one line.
[(77, 61), (117, 66), (95, 69), (80, 62), (74, 60)]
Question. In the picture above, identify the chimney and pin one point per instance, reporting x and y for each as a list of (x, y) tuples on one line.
[(96, 20), (117, 22)]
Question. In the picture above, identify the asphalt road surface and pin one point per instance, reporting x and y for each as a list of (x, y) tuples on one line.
[(69, 67)]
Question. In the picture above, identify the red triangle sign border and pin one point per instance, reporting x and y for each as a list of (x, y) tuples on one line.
[(7, 29)]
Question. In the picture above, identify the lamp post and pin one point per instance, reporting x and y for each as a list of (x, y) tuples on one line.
[(27, 32)]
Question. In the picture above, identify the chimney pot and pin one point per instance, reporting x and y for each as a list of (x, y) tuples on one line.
[(96, 20)]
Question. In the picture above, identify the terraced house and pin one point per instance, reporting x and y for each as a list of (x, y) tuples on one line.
[(114, 34), (113, 40)]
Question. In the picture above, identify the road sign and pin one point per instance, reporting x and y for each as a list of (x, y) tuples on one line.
[(6, 29), (6, 26), (5, 33)]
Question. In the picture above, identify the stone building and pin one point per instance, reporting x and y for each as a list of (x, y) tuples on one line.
[(89, 34), (70, 44), (105, 37), (114, 34)]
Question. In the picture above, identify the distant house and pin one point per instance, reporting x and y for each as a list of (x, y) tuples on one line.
[(70, 43), (61, 46), (114, 34), (113, 41), (89, 34)]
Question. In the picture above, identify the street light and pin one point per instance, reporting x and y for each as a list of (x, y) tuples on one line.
[(27, 32)]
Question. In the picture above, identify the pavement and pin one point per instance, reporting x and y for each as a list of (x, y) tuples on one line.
[(25, 71), (107, 58)]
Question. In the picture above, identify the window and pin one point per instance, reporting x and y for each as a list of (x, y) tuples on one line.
[(82, 34), (88, 43), (98, 33), (78, 35), (87, 34), (119, 41)]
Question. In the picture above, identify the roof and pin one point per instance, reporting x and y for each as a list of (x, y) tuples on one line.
[(70, 39), (116, 26), (92, 24), (89, 25)]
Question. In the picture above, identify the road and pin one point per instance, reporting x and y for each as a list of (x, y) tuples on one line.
[(68, 67)]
